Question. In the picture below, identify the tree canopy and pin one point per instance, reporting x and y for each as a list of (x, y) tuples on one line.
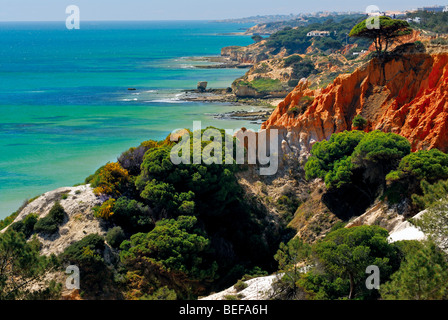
[(388, 31)]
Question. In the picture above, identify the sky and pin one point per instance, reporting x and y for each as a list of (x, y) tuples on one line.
[(54, 10)]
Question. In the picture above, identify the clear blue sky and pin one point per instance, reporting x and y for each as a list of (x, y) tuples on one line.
[(54, 10)]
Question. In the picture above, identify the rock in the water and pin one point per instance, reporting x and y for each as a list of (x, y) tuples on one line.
[(202, 85)]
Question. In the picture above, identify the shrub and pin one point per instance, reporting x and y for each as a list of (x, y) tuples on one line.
[(264, 85), (240, 285), (132, 159), (105, 211), (110, 180), (423, 275), (415, 173), (115, 237), (174, 253), (292, 60), (21, 264), (26, 226), (293, 110), (431, 193), (325, 154), (50, 223), (342, 258), (163, 293), (257, 38), (303, 69), (87, 255), (132, 216), (359, 122)]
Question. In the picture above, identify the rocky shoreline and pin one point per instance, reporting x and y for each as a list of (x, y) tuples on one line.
[(226, 96), (219, 62)]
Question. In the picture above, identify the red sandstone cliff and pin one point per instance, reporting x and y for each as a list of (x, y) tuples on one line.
[(406, 95)]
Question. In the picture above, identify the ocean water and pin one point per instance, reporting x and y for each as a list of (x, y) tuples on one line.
[(65, 107)]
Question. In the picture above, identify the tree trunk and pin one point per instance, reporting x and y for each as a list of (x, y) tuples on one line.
[(352, 287)]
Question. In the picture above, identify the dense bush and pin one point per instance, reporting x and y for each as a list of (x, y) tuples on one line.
[(263, 85), (359, 122), (431, 21), (50, 223), (417, 176), (431, 193), (115, 236), (434, 221), (26, 226), (87, 255), (21, 263), (110, 179), (423, 275), (303, 69), (105, 211), (132, 159), (132, 216), (291, 60), (375, 154), (175, 253), (342, 258), (327, 43), (295, 40), (326, 154)]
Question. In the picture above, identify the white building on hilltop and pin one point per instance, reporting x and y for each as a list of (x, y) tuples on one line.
[(317, 33)]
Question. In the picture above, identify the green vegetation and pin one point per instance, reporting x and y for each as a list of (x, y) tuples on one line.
[(303, 69), (354, 165), (388, 32), (374, 153), (327, 155), (115, 236), (263, 85), (291, 60), (174, 253), (25, 226), (132, 216), (359, 122), (295, 40), (50, 223), (240, 285), (423, 275), (291, 257), (189, 228), (439, 41), (339, 264), (183, 231), (87, 255), (431, 21), (257, 38), (431, 193), (21, 264), (415, 175), (434, 222)]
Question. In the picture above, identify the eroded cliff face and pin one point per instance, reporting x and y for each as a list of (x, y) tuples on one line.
[(406, 94)]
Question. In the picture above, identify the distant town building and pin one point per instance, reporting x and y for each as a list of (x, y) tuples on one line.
[(416, 20), (433, 9), (317, 33), (445, 9)]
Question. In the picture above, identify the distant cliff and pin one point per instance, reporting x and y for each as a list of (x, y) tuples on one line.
[(405, 94)]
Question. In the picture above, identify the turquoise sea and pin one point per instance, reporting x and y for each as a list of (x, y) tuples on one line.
[(65, 107)]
